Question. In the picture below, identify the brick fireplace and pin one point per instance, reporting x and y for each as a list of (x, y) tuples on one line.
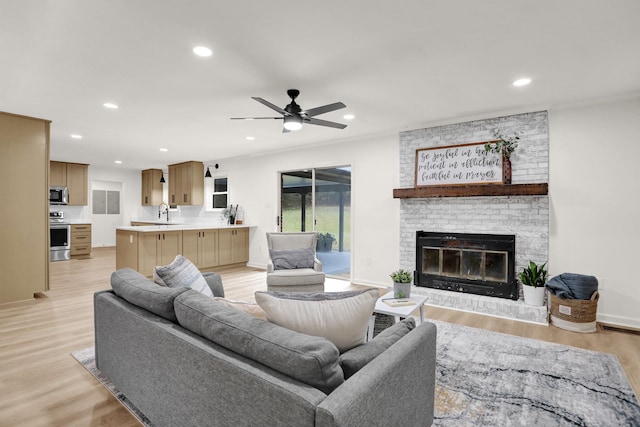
[(524, 216)]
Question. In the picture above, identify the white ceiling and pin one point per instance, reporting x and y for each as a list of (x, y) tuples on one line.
[(396, 65)]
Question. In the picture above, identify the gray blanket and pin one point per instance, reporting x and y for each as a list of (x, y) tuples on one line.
[(573, 286)]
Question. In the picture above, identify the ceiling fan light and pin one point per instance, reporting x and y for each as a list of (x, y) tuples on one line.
[(292, 123)]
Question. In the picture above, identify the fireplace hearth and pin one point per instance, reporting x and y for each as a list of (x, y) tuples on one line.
[(481, 264)]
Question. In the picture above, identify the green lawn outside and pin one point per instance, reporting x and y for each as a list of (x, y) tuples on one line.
[(327, 220)]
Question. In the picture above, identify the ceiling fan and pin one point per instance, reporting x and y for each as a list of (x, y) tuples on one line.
[(294, 116)]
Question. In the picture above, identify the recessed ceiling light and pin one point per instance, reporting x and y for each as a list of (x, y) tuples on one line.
[(250, 138), (118, 162), (164, 149), (110, 105), (76, 136), (522, 82), (202, 51), (348, 117)]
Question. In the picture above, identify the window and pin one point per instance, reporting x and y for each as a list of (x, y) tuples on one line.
[(220, 193)]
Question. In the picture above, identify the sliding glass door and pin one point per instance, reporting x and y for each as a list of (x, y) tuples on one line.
[(320, 200)]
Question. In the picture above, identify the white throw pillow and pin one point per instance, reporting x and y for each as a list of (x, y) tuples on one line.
[(340, 317), (248, 307), (182, 273)]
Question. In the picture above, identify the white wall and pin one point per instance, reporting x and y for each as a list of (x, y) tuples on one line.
[(254, 184), (594, 201)]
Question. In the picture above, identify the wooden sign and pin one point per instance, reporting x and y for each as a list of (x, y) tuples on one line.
[(457, 165)]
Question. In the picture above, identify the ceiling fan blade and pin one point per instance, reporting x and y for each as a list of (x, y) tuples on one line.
[(325, 123), (324, 109), (255, 118), (270, 105)]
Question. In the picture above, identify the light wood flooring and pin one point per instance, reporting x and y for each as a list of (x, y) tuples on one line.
[(42, 385)]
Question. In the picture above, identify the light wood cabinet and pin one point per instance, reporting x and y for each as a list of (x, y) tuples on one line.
[(186, 183), (157, 249), (206, 248), (151, 187), (24, 168), (201, 247), (80, 240), (74, 176), (57, 174), (77, 176), (143, 251), (233, 246)]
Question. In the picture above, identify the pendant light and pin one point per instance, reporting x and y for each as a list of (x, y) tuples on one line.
[(162, 180)]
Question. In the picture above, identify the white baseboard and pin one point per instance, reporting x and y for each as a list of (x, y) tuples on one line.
[(620, 321)]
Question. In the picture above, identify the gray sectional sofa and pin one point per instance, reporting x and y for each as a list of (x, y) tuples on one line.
[(185, 359)]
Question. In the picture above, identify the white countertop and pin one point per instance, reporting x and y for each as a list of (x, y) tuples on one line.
[(78, 221), (176, 227)]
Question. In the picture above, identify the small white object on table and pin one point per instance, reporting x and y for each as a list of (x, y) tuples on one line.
[(401, 311)]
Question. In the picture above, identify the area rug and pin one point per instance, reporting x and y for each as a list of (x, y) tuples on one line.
[(486, 378)]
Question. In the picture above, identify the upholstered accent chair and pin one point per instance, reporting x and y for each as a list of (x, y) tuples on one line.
[(292, 265)]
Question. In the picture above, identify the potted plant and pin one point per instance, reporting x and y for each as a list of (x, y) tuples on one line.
[(325, 242), (401, 283), (229, 214), (505, 146), (533, 278)]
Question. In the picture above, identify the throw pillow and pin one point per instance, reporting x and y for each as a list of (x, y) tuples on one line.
[(138, 290), (288, 259), (250, 308), (183, 273), (356, 358), (312, 360), (340, 317)]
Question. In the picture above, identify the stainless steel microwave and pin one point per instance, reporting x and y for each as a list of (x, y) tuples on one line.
[(58, 195)]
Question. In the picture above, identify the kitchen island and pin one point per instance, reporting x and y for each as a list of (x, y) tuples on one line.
[(208, 247)]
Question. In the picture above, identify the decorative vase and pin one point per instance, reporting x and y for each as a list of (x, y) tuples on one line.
[(506, 170), (401, 290), (534, 296)]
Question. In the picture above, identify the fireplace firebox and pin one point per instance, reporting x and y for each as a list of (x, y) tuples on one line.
[(481, 264)]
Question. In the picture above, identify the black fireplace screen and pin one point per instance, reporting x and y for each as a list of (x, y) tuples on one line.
[(475, 263)]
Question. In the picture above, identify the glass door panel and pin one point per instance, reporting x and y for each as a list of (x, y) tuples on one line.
[(320, 200)]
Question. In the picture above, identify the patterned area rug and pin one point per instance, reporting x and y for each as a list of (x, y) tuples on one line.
[(486, 378)]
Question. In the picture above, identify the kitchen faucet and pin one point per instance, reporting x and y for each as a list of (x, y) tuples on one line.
[(166, 210)]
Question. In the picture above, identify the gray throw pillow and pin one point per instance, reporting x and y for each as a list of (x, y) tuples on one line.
[(356, 358), (133, 287), (288, 259), (311, 360), (182, 273)]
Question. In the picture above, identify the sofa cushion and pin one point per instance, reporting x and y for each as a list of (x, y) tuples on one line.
[(340, 317), (248, 307), (356, 358), (288, 259), (311, 360), (182, 273), (133, 287)]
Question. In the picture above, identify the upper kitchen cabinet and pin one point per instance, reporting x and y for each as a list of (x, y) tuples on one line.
[(151, 187), (77, 177), (24, 167), (186, 183), (74, 176), (57, 174)]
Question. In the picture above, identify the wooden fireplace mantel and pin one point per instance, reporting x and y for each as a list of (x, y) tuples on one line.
[(472, 190)]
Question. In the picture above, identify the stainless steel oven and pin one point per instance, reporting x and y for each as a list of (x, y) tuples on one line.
[(59, 237)]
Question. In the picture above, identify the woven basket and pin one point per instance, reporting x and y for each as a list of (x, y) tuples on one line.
[(574, 314)]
